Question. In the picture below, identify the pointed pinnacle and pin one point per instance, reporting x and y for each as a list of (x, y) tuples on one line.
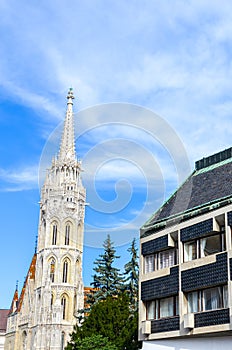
[(70, 96)]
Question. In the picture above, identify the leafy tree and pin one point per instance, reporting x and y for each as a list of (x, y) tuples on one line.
[(112, 319), (132, 276), (107, 279), (94, 342)]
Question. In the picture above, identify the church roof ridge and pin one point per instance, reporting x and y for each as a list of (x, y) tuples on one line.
[(31, 275), (14, 302)]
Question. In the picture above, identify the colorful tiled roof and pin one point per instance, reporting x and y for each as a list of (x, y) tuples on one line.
[(31, 275), (14, 303)]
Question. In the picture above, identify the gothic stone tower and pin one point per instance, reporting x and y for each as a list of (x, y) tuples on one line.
[(44, 315)]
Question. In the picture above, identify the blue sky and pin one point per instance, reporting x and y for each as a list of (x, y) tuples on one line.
[(152, 81)]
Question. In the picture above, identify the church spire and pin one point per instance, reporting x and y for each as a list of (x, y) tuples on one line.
[(67, 151)]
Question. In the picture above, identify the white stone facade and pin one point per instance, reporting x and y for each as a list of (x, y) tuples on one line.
[(2, 340), (53, 291)]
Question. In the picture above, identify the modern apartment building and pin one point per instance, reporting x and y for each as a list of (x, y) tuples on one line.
[(186, 263)]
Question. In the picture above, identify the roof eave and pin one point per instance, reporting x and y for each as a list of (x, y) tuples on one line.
[(185, 215)]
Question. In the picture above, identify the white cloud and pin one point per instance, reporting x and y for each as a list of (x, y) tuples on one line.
[(158, 55), (30, 99), (19, 180)]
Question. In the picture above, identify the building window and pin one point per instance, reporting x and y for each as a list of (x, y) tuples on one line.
[(158, 261), (149, 263), (212, 299), (193, 302), (64, 304), (208, 299), (202, 247), (54, 234), (52, 270), (211, 245), (190, 251), (166, 307), (166, 258), (67, 234), (151, 310), (162, 308), (65, 272)]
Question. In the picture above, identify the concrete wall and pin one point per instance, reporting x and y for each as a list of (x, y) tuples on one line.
[(2, 340), (211, 343)]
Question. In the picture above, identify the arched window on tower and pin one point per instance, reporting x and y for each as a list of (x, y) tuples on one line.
[(54, 234), (24, 340), (41, 269), (65, 271), (34, 340), (64, 303), (67, 234), (75, 304), (52, 270), (52, 299), (62, 340)]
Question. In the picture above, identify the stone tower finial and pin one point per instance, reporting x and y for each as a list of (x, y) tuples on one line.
[(70, 96), (67, 152)]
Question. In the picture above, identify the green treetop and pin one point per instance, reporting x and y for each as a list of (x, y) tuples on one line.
[(111, 319), (132, 275), (107, 278)]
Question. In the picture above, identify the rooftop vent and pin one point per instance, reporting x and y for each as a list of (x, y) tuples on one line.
[(214, 159)]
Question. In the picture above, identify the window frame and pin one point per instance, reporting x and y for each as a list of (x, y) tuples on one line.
[(156, 257), (52, 269), (65, 271), (166, 258), (199, 249), (201, 295), (149, 263), (156, 305), (64, 303), (54, 234), (67, 234)]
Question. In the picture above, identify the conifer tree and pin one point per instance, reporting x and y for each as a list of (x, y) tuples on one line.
[(132, 275), (107, 279), (111, 319)]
